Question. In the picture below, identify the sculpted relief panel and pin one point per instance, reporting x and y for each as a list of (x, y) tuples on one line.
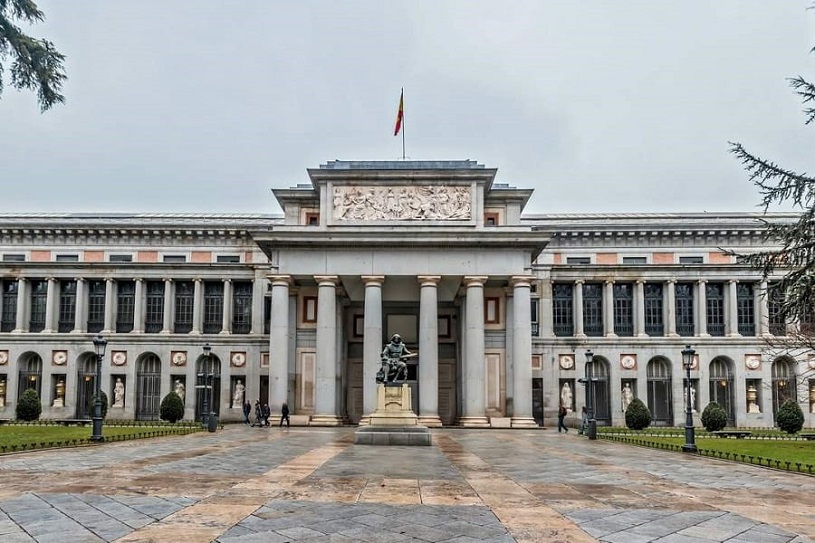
[(411, 203)]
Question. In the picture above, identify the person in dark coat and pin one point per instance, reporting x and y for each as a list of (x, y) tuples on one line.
[(266, 414), (284, 415), (247, 410), (561, 414)]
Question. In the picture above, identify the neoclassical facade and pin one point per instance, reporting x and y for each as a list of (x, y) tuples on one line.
[(500, 305)]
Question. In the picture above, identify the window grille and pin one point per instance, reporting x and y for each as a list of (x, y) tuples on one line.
[(213, 307), (242, 307), (39, 295), (624, 309), (184, 301), (593, 309), (125, 306), (684, 309), (714, 295), (745, 309), (534, 305), (96, 306), (67, 306), (154, 307), (654, 319), (562, 311)]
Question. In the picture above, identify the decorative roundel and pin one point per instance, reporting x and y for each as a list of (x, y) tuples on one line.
[(60, 357), (3, 357), (566, 361), (119, 358), (628, 361), (238, 359), (752, 362), (179, 358)]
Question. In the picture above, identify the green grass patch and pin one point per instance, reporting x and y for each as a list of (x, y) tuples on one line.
[(15, 437), (785, 451)]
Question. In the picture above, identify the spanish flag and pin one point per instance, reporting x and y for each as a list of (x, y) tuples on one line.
[(400, 114)]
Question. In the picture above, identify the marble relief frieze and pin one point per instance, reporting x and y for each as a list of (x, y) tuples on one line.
[(402, 203)]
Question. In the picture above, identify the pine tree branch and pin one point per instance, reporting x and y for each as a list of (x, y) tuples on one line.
[(806, 91)]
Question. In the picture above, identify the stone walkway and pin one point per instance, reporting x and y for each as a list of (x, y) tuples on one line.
[(250, 485)]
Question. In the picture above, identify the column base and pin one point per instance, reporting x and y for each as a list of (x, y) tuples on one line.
[(642, 334), (431, 421), (325, 420), (365, 421), (704, 335), (474, 422), (524, 422), (612, 335)]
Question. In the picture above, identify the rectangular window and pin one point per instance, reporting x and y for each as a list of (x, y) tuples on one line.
[(492, 310), (309, 309), (9, 313), (490, 219), (267, 314), (684, 309), (635, 260), (534, 305), (242, 307), (624, 309), (174, 259), (562, 309), (654, 319), (120, 258), (312, 219), (154, 307), (67, 258), (714, 294), (96, 306), (228, 259), (213, 307), (67, 306), (775, 305), (39, 294), (593, 309), (184, 301), (691, 260), (578, 260), (745, 309), (125, 306), (13, 258)]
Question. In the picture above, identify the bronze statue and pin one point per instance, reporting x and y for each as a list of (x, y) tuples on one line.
[(394, 368)]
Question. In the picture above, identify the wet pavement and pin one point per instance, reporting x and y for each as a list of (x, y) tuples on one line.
[(251, 485)]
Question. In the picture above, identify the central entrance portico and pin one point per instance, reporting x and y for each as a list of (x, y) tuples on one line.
[(429, 250)]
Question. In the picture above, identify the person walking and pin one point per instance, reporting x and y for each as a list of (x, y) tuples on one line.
[(266, 414), (284, 414), (258, 414), (561, 414), (247, 410), (584, 421)]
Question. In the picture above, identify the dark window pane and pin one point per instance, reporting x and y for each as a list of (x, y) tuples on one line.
[(242, 307), (9, 319), (624, 309), (745, 309), (593, 309), (154, 310), (684, 309), (125, 305), (654, 322), (213, 307), (563, 316), (96, 306), (184, 299), (39, 294), (67, 306), (714, 293)]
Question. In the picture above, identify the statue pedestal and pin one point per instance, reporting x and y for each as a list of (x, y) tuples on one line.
[(393, 422)]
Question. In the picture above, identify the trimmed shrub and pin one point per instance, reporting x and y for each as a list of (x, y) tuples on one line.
[(637, 415), (714, 417), (171, 408), (790, 418), (92, 408), (29, 406)]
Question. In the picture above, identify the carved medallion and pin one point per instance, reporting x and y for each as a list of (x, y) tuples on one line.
[(566, 361), (179, 358), (119, 358), (237, 359), (752, 361), (628, 361), (59, 358), (3, 358), (402, 203)]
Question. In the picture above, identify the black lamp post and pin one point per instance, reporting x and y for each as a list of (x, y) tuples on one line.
[(99, 343), (592, 429), (690, 434), (206, 374)]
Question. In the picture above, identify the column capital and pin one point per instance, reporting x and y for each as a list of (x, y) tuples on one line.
[(373, 280), (280, 280), (428, 280), (138, 279), (609, 281), (475, 280), (640, 281), (167, 279), (579, 281), (327, 280), (521, 280), (671, 281), (702, 281)]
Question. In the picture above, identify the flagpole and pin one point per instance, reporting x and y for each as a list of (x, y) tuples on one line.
[(403, 124)]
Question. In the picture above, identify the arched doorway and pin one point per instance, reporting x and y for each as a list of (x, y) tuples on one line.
[(148, 387), (85, 384), (783, 374), (602, 392), (659, 392), (207, 385), (722, 390), (30, 374)]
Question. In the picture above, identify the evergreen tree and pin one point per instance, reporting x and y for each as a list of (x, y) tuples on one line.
[(790, 418), (29, 406), (637, 415), (35, 63), (171, 408), (714, 417)]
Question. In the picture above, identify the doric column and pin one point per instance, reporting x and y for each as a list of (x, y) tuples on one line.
[(701, 308), (763, 309), (474, 364), (50, 306), (22, 307), (258, 294), (578, 308), (546, 316), (522, 354), (639, 308), (81, 314), (226, 326), (608, 308), (138, 310), (371, 342), (732, 322), (197, 305), (429, 350), (110, 302), (167, 327), (325, 389), (670, 307), (279, 342)]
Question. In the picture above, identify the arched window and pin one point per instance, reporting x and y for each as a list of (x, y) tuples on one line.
[(208, 385), (148, 387), (721, 387), (783, 373), (85, 384), (30, 374), (602, 392), (659, 392)]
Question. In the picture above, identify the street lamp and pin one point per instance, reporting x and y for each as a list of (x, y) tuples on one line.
[(99, 343), (208, 412), (592, 430), (690, 434)]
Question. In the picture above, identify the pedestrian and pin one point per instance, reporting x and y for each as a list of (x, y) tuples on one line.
[(284, 414), (584, 420), (258, 414), (247, 410), (561, 414), (266, 414)]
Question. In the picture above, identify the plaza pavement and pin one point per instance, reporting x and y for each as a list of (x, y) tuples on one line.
[(250, 485)]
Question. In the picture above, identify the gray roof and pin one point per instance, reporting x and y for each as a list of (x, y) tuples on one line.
[(402, 165)]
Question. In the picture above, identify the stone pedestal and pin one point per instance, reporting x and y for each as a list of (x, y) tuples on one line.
[(393, 422)]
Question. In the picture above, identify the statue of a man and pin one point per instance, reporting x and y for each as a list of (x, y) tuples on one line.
[(393, 366)]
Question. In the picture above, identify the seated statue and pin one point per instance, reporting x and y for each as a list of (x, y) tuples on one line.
[(394, 369)]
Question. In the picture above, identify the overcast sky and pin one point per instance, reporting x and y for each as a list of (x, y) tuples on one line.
[(204, 106)]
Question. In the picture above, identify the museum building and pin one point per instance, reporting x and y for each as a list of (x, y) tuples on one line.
[(500, 306)]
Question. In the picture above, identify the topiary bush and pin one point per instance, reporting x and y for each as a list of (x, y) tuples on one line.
[(92, 408), (790, 418), (171, 408), (637, 415), (714, 417), (29, 406)]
